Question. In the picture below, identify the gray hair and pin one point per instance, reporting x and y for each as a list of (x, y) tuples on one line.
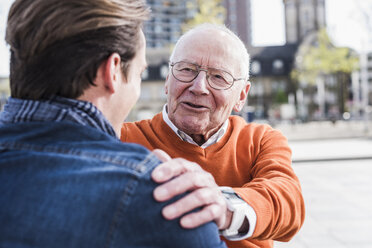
[(223, 28)]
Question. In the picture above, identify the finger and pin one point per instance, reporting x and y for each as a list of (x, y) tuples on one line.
[(208, 213), (188, 181), (173, 168), (161, 155), (197, 198)]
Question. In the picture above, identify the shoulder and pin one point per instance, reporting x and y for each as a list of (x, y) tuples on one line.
[(143, 123), (253, 129), (158, 231), (146, 126), (256, 134), (74, 142)]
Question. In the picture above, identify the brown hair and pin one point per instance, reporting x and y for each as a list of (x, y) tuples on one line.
[(57, 46)]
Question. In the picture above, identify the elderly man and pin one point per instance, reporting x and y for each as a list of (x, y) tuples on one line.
[(261, 198), (66, 178)]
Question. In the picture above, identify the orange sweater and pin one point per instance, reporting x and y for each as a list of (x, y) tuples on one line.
[(254, 159)]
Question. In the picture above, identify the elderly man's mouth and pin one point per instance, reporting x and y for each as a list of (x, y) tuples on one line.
[(196, 106)]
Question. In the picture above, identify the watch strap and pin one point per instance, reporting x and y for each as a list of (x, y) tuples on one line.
[(236, 205)]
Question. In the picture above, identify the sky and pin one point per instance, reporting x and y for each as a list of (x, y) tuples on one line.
[(345, 22), (344, 18), (350, 23)]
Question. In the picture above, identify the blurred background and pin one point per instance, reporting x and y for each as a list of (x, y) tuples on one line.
[(311, 75), (311, 60)]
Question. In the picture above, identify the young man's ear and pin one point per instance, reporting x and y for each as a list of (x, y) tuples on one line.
[(242, 98), (112, 72)]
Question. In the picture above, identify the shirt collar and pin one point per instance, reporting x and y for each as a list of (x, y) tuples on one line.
[(55, 109), (185, 137)]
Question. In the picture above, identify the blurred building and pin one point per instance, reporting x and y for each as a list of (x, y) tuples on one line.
[(303, 17), (271, 65), (361, 88), (270, 70), (369, 79), (4, 91), (165, 25), (238, 19)]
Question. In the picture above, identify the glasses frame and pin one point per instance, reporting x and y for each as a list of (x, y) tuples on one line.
[(199, 68)]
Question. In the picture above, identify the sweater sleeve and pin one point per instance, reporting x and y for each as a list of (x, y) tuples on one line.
[(274, 190)]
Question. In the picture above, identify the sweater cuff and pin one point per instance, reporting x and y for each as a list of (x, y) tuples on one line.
[(241, 211), (250, 215)]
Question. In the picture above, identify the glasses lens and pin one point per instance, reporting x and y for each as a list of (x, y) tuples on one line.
[(219, 79), (184, 71)]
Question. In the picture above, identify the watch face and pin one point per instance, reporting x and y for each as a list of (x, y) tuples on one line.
[(230, 196), (229, 193)]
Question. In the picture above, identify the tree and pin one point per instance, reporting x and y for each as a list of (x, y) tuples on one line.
[(210, 11), (321, 58)]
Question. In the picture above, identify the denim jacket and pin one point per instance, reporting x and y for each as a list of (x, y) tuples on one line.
[(67, 181)]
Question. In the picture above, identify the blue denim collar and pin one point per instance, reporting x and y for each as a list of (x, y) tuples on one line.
[(56, 109)]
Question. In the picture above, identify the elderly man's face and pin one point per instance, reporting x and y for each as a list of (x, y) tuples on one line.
[(195, 107)]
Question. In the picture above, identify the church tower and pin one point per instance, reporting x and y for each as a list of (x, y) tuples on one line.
[(303, 17), (238, 19)]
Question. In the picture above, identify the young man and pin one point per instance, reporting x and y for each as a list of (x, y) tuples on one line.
[(208, 79), (66, 179)]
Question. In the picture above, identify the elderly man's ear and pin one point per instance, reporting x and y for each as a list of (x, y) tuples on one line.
[(242, 98), (166, 85), (111, 73)]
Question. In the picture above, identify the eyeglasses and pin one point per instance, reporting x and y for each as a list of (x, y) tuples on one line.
[(217, 79)]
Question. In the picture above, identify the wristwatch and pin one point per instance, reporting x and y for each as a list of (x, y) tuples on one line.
[(237, 206)]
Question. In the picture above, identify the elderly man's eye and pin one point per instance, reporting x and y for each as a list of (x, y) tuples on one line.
[(187, 69), (218, 77)]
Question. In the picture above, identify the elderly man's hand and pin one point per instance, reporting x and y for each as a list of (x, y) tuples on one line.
[(180, 176)]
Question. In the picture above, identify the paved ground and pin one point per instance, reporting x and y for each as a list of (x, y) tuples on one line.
[(331, 149), (338, 200), (335, 170)]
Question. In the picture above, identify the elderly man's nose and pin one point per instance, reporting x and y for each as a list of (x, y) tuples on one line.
[(200, 83)]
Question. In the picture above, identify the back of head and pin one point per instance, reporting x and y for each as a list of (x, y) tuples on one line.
[(57, 45)]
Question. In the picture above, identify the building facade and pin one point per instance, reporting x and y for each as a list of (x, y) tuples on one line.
[(238, 19), (273, 90), (165, 25), (303, 17), (361, 88), (4, 91)]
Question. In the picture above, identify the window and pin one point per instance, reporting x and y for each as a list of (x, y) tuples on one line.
[(255, 67), (278, 66)]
